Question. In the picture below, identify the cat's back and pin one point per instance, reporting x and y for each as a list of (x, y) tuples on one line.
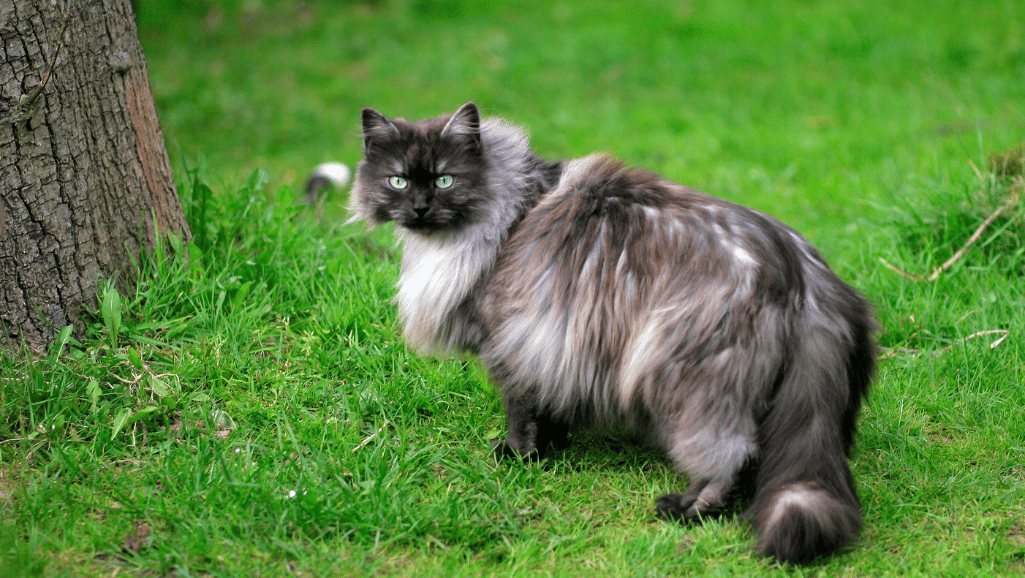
[(605, 228)]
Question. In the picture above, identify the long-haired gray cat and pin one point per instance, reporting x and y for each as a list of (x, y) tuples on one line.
[(600, 296)]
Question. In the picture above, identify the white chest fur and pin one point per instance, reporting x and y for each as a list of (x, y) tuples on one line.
[(438, 272)]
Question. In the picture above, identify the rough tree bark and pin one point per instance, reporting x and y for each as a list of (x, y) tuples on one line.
[(85, 179)]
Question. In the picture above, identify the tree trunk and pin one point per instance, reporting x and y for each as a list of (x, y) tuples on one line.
[(85, 180)]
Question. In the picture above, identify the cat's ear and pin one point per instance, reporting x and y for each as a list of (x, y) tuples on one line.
[(377, 126), (465, 122)]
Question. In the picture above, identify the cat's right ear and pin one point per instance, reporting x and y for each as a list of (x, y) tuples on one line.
[(376, 126)]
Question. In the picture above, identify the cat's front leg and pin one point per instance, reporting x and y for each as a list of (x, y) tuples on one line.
[(531, 430)]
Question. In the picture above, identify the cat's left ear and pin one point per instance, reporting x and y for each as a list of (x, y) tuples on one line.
[(465, 122)]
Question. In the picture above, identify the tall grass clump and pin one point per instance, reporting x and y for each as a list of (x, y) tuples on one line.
[(943, 435)]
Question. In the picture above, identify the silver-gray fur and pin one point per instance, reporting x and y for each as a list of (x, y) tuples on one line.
[(600, 296)]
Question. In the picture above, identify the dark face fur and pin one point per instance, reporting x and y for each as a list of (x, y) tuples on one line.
[(428, 175)]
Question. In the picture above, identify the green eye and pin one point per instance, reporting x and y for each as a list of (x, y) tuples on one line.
[(397, 182), (444, 181)]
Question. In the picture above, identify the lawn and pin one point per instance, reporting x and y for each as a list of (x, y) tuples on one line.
[(253, 411)]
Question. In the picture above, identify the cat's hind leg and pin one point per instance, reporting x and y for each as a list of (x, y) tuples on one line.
[(707, 498), (703, 499), (720, 466)]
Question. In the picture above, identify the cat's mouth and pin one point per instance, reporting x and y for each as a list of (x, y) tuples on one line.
[(422, 225), (432, 221)]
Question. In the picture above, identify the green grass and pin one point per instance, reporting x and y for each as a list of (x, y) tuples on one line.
[(253, 412)]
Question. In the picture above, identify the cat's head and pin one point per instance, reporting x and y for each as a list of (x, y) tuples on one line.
[(427, 176)]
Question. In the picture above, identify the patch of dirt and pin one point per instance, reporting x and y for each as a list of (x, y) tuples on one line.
[(222, 431), (685, 545), (6, 488), (139, 538), (1016, 535)]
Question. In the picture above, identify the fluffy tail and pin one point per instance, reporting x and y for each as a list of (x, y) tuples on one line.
[(325, 176), (805, 503)]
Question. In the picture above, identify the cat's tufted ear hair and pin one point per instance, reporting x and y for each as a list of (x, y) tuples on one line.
[(464, 122), (376, 125)]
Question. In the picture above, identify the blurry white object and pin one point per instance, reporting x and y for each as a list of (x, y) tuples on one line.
[(334, 175)]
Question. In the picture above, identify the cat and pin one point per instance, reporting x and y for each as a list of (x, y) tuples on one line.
[(601, 296)]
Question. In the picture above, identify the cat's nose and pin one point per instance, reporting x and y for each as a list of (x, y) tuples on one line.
[(421, 211)]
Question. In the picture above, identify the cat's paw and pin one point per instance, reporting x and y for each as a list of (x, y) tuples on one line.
[(504, 450), (685, 508)]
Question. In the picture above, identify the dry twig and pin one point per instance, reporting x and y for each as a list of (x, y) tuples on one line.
[(960, 252), (1003, 335), (367, 439)]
